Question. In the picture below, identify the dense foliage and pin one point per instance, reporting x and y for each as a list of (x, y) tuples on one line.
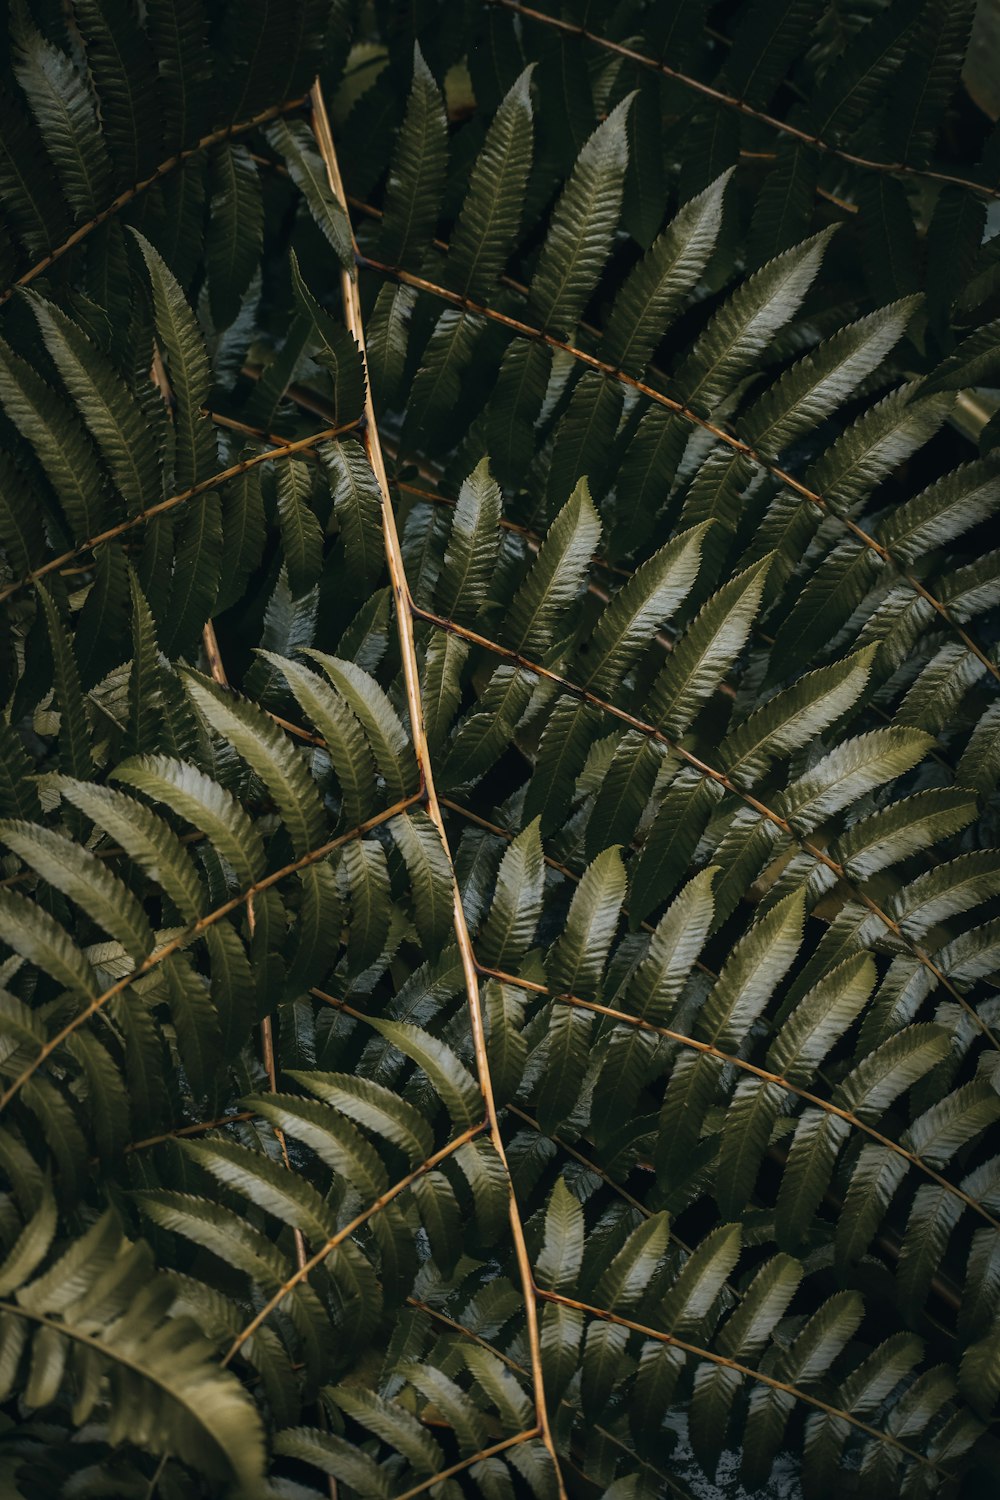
[(498, 916)]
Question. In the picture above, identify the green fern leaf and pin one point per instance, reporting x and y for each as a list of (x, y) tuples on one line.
[(822, 381), (488, 223), (382, 725), (416, 177), (235, 231), (793, 717), (75, 753), (188, 371), (472, 546), (63, 108), (357, 503), (40, 939), (556, 576), (707, 650), (742, 328), (293, 141), (145, 837), (428, 867), (168, 1395), (107, 406), (583, 225), (270, 754), (517, 902), (656, 290), (450, 1078), (650, 597), (301, 536), (86, 880), (209, 807), (61, 443), (855, 767), (575, 965)]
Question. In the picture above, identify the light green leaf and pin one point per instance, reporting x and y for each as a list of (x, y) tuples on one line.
[(473, 545), (451, 1079), (743, 327), (706, 651), (270, 753), (431, 879), (86, 879), (509, 929), (145, 837), (187, 370), (561, 1256), (488, 223), (575, 964), (416, 177), (582, 227), (556, 575), (653, 294), (648, 600), (380, 721), (201, 801), (856, 766), (792, 718)]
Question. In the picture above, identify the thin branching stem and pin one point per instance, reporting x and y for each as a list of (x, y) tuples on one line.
[(327, 1248), (744, 1066), (405, 617), (586, 1163), (466, 1463), (300, 445), (730, 101), (437, 1316), (197, 1127), (193, 931), (736, 444), (796, 1392), (124, 198)]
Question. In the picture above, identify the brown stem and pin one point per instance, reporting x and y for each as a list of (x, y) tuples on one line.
[(197, 1128), (729, 101), (466, 1463), (301, 445), (331, 1244), (731, 1364), (214, 138), (260, 434), (405, 614), (585, 1162), (97, 1004), (737, 445), (474, 1338), (722, 780), (729, 1058)]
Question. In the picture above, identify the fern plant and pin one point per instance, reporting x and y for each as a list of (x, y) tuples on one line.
[(499, 913)]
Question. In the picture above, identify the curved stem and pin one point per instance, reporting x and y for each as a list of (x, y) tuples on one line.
[(731, 1060), (735, 444), (437, 1316), (730, 101), (214, 138), (181, 940), (405, 616), (710, 773), (732, 1364), (301, 445), (466, 1463), (317, 1259)]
